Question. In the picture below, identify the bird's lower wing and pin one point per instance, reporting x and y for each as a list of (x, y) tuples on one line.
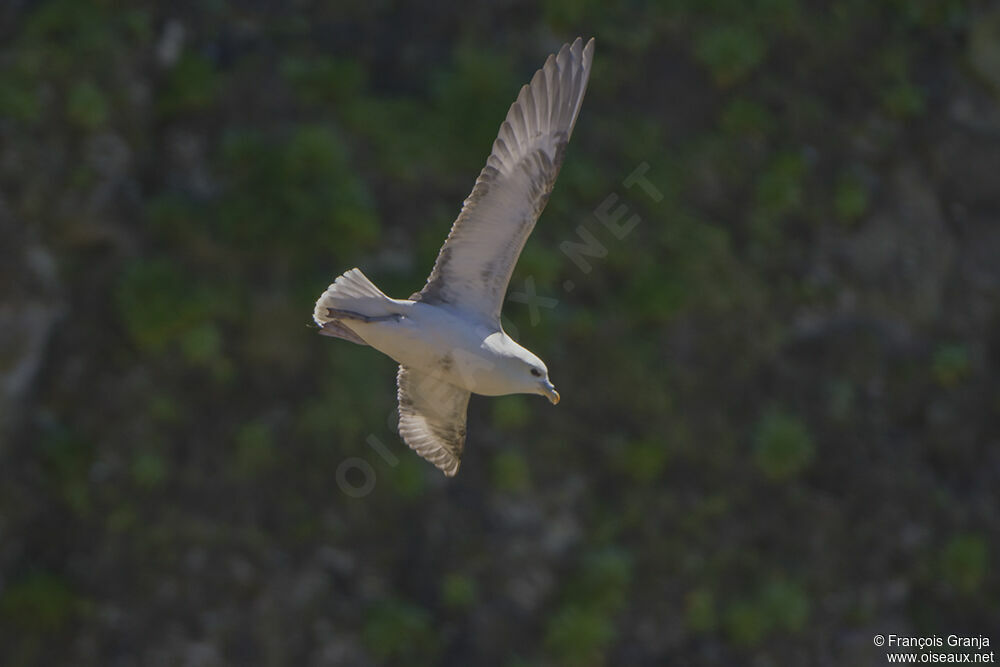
[(432, 417)]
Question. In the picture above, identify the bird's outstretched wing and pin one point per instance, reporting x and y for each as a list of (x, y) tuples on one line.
[(432, 417), (474, 266)]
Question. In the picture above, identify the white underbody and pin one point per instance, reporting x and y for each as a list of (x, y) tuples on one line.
[(442, 343)]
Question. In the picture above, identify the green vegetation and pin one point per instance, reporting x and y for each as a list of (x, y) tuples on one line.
[(583, 628), (158, 303), (951, 364), (780, 397), (701, 614), (579, 636), (398, 630), (87, 106), (782, 445), (730, 52), (38, 603), (646, 460), (254, 449), (965, 562), (780, 606), (850, 199), (510, 412), (511, 472), (192, 85), (149, 469), (282, 189), (459, 591)]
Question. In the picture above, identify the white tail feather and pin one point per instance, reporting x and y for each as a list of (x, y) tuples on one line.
[(351, 291)]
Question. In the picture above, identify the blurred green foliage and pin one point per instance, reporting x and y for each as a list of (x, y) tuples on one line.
[(951, 364), (459, 591), (192, 84), (645, 460), (583, 628), (158, 303), (511, 472), (282, 190), (149, 469), (87, 106), (774, 388), (782, 446), (39, 603), (510, 412), (255, 450), (701, 611), (579, 636), (730, 52), (965, 562), (66, 457), (781, 606), (395, 629), (850, 198)]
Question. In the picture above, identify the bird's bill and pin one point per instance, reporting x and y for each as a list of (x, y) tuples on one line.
[(549, 391)]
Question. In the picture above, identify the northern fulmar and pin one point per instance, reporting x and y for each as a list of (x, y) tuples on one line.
[(447, 337)]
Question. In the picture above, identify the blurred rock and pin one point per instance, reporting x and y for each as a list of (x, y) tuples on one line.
[(171, 43), (904, 254), (29, 312)]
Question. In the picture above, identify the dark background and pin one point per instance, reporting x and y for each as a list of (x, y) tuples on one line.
[(779, 427)]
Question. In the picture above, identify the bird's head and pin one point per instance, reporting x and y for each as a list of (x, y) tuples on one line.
[(536, 377), (544, 386), (522, 370)]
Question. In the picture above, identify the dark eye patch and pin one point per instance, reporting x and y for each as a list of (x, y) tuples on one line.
[(537, 373)]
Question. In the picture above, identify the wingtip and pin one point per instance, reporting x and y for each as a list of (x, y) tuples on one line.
[(452, 469), (563, 55), (586, 51), (579, 51)]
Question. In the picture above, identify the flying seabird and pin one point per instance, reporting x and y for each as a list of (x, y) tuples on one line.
[(447, 337)]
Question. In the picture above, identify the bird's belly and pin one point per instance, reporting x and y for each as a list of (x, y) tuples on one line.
[(398, 339), (449, 350)]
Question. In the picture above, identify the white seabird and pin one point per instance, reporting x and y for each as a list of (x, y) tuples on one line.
[(447, 337)]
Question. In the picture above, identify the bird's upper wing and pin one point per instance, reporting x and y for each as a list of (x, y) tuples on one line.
[(474, 266), (432, 417)]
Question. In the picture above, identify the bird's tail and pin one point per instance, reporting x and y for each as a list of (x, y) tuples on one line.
[(351, 293)]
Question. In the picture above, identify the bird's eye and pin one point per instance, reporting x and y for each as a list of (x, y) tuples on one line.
[(537, 373)]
